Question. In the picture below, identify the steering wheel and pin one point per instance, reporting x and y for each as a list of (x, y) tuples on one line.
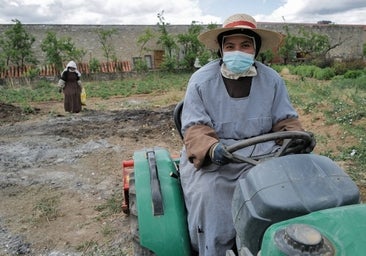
[(289, 145)]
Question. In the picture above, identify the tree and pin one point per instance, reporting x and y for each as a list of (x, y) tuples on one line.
[(266, 56), (190, 44), (168, 43), (143, 39), (311, 45), (60, 50), (17, 46), (206, 55), (106, 40), (287, 51), (165, 39), (307, 44)]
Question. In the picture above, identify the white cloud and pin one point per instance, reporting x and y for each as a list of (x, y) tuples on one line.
[(103, 12), (332, 6), (178, 12), (312, 11)]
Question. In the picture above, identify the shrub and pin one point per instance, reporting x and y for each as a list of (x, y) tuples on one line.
[(324, 73), (342, 67), (279, 68), (141, 66), (94, 65), (353, 74), (304, 70)]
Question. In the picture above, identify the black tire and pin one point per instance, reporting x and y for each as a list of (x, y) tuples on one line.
[(137, 248)]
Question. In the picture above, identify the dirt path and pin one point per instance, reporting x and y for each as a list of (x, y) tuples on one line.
[(60, 174)]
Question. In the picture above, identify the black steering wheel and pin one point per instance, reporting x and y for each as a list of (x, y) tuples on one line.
[(290, 145)]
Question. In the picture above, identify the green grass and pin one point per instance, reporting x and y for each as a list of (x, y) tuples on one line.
[(343, 101), (111, 206), (41, 91), (148, 84), (92, 248), (47, 208)]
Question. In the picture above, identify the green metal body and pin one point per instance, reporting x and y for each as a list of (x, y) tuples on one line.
[(344, 227), (165, 234)]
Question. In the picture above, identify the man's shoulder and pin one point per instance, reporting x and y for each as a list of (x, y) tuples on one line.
[(207, 71), (264, 69)]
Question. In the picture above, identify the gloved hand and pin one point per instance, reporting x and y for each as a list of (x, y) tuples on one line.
[(60, 90), (308, 148), (219, 154)]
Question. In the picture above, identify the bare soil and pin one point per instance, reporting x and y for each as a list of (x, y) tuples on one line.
[(57, 170), (73, 161)]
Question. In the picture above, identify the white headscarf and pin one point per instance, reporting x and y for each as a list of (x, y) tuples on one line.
[(72, 64)]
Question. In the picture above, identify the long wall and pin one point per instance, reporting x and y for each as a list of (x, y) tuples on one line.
[(351, 37)]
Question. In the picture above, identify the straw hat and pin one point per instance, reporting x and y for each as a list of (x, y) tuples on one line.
[(270, 39)]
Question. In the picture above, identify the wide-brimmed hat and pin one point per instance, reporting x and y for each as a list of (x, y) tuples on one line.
[(270, 39)]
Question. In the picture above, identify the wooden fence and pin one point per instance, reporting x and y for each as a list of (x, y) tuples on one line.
[(50, 70)]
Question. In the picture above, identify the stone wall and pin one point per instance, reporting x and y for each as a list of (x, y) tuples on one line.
[(349, 37), (126, 46)]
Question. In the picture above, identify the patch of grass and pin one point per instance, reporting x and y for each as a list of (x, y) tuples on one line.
[(154, 82), (47, 208), (308, 94), (86, 246), (111, 206), (108, 230), (92, 248), (343, 102), (27, 109)]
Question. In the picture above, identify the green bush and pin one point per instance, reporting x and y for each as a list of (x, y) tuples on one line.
[(141, 66), (342, 67), (169, 64), (313, 71), (304, 70), (279, 67), (324, 73), (94, 65), (353, 74)]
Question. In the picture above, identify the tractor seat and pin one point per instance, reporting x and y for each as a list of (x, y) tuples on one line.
[(177, 117)]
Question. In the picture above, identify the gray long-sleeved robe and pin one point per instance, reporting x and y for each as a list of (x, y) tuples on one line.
[(208, 190)]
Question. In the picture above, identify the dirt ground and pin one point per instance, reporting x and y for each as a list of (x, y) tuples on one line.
[(74, 159), (57, 170)]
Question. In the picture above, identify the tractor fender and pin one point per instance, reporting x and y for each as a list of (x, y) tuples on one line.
[(162, 218)]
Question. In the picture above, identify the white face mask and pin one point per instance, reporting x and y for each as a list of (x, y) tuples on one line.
[(237, 61)]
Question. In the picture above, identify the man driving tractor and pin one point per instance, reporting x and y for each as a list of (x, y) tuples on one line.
[(229, 99)]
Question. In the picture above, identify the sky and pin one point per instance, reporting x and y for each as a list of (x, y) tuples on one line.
[(175, 12)]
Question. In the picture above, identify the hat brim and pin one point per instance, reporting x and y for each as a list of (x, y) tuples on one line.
[(270, 39)]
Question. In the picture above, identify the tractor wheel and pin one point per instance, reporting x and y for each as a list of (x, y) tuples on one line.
[(137, 248)]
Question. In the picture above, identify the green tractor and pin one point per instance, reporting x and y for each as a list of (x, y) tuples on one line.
[(288, 204)]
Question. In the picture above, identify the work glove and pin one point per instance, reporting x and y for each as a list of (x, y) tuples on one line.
[(308, 148), (60, 90), (219, 154)]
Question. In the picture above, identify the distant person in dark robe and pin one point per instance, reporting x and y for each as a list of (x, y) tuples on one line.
[(70, 85)]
